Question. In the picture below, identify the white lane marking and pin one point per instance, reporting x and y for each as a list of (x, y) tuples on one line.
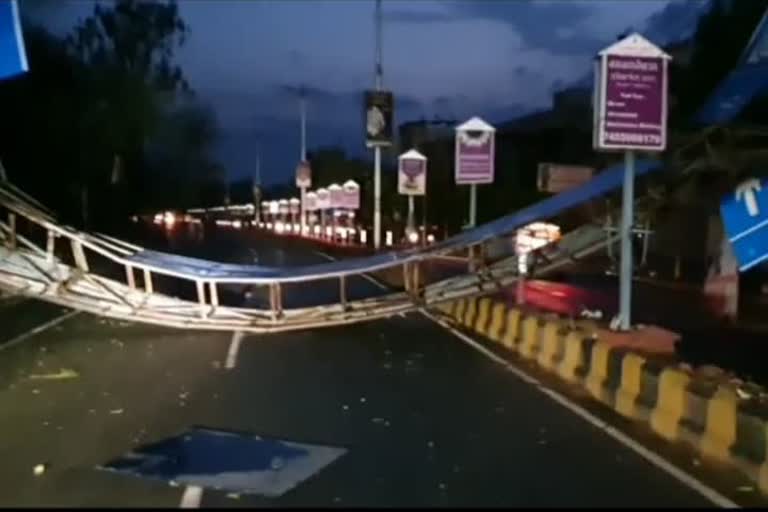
[(234, 347), (191, 497), (655, 459), (367, 277), (37, 330)]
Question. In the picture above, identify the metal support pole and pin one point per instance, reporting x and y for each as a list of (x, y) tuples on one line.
[(201, 295), (50, 246), (411, 214), (377, 197), (627, 215), (472, 205), (406, 278), (416, 283), (521, 289), (377, 150), (148, 281), (12, 230), (303, 209), (130, 277), (214, 294), (303, 106), (80, 260)]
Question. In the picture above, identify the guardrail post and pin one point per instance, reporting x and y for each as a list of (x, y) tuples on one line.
[(12, 230), (129, 277), (50, 246), (80, 260), (148, 281)]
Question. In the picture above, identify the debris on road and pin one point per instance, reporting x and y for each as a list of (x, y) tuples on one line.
[(117, 343), (116, 411), (35, 391), (362, 400), (64, 373), (233, 496), (39, 469)]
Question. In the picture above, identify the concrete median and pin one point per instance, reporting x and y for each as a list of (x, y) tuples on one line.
[(677, 405)]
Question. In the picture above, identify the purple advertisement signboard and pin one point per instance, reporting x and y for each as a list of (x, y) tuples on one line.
[(474, 157), (632, 103), (337, 196), (412, 177), (351, 196), (310, 202), (323, 199)]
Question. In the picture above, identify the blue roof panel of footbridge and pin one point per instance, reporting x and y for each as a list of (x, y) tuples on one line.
[(607, 181), (748, 80), (211, 270), (734, 94)]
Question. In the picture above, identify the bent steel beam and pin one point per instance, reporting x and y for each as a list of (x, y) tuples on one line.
[(33, 271)]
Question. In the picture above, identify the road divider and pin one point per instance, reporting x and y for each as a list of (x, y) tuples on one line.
[(719, 419)]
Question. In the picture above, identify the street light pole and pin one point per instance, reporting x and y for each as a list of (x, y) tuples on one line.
[(303, 113), (303, 109), (257, 184), (377, 148)]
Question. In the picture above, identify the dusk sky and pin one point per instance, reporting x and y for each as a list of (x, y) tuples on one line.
[(446, 58)]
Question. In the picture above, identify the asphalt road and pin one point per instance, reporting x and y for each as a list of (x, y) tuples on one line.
[(426, 420)]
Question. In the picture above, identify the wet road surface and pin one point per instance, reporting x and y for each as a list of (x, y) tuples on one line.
[(425, 419)]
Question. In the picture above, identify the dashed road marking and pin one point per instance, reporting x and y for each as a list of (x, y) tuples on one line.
[(191, 497), (234, 348), (678, 474)]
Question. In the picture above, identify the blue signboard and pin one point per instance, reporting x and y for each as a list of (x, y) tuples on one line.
[(745, 215), (13, 57)]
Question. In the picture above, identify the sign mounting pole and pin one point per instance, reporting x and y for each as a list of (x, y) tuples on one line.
[(627, 218), (630, 114), (472, 205), (303, 105), (377, 148)]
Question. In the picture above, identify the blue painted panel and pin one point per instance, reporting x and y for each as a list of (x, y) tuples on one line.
[(13, 58), (745, 216), (227, 461), (732, 95)]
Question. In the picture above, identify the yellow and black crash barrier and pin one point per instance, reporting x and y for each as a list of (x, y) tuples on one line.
[(675, 404)]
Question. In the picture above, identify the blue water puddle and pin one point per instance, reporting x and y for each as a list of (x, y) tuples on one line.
[(226, 461)]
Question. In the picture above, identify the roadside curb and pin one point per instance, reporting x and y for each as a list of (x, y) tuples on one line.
[(677, 405)]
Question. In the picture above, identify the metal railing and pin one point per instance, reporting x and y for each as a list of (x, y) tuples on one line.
[(62, 270)]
